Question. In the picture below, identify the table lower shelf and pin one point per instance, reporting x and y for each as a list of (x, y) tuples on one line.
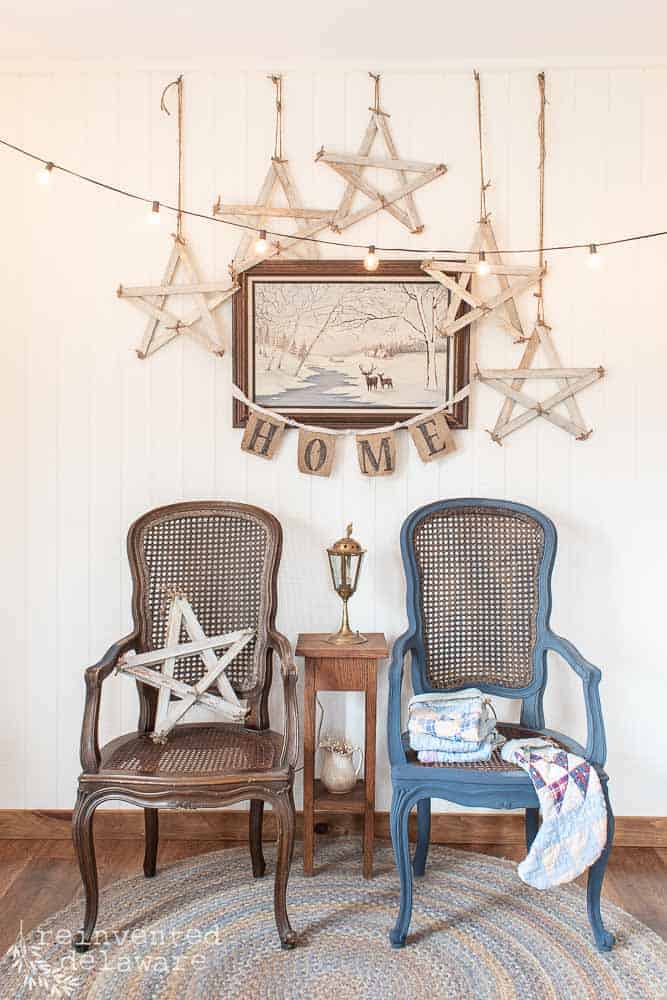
[(351, 802)]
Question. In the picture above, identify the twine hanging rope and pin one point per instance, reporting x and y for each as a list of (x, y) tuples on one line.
[(375, 77), (178, 83), (484, 184), (277, 82), (541, 136)]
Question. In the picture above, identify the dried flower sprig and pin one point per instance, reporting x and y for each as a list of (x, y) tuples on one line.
[(337, 745)]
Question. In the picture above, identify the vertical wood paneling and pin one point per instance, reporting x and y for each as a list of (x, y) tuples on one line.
[(199, 367), (229, 154), (98, 437), (106, 576), (139, 257), (41, 387), (13, 372), (73, 427)]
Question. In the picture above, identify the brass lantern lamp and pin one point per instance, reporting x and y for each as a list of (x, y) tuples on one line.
[(345, 559)]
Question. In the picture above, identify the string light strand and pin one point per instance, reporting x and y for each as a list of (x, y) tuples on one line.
[(412, 251)]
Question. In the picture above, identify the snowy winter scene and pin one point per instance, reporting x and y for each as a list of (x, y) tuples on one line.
[(351, 344)]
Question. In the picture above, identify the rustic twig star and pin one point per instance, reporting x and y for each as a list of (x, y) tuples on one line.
[(169, 711), (258, 217), (309, 221), (511, 382), (163, 325), (398, 201), (502, 304)]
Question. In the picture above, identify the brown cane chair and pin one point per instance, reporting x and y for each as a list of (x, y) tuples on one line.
[(224, 556)]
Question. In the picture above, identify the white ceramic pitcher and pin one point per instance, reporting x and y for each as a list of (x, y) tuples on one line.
[(339, 775)]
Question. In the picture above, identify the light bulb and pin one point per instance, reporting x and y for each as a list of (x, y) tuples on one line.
[(44, 176), (261, 244), (371, 260), (594, 258), (483, 264), (154, 214)]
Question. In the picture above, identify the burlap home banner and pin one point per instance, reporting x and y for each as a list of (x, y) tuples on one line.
[(376, 448), (316, 452)]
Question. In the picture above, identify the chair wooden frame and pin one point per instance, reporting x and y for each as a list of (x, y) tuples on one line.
[(100, 782), (415, 784)]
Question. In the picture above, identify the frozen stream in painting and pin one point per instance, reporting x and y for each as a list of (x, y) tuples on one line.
[(337, 383), (316, 390)]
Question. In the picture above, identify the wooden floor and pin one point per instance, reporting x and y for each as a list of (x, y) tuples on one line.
[(39, 877)]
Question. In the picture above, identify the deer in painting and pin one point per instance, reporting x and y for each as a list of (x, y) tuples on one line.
[(386, 381), (371, 379)]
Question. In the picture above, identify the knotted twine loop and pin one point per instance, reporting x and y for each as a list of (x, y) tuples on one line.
[(376, 109), (484, 184), (541, 135), (178, 83), (277, 82)]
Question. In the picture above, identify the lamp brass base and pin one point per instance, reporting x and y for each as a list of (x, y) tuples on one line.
[(347, 639)]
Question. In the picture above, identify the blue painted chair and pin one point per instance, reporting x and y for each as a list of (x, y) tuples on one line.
[(479, 600)]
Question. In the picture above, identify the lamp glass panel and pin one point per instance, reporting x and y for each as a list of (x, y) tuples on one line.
[(335, 566)]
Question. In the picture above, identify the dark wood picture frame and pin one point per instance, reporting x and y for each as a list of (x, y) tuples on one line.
[(243, 363)]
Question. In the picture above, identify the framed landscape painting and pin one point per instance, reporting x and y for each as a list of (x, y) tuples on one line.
[(331, 344)]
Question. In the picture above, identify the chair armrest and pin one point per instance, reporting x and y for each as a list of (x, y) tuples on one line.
[(290, 752), (590, 675), (403, 645), (89, 751)]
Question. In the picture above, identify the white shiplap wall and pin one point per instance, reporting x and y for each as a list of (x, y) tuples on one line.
[(92, 437)]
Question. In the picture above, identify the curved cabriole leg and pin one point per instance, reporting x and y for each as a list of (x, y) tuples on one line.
[(423, 836), (151, 827), (82, 835), (532, 826), (604, 939), (293, 808), (284, 808), (256, 853), (400, 812)]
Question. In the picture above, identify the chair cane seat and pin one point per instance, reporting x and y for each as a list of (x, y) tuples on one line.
[(495, 761), (210, 750)]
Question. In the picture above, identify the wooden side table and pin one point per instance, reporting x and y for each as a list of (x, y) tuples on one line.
[(339, 668)]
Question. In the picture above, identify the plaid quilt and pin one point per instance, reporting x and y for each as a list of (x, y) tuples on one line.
[(573, 831)]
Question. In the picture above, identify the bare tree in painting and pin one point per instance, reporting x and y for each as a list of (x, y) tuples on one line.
[(425, 312), (327, 316), (282, 310), (421, 306)]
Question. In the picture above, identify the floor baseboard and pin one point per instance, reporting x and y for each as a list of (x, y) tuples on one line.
[(232, 825)]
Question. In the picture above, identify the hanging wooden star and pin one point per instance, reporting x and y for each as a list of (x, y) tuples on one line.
[(309, 221), (258, 217), (164, 325), (502, 303), (176, 698), (511, 382), (398, 201)]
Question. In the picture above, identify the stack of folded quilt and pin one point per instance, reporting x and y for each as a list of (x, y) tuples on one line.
[(450, 728)]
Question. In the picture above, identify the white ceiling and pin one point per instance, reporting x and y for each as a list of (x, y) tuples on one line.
[(304, 32)]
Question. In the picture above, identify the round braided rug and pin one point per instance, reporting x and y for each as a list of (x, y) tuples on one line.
[(204, 928)]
